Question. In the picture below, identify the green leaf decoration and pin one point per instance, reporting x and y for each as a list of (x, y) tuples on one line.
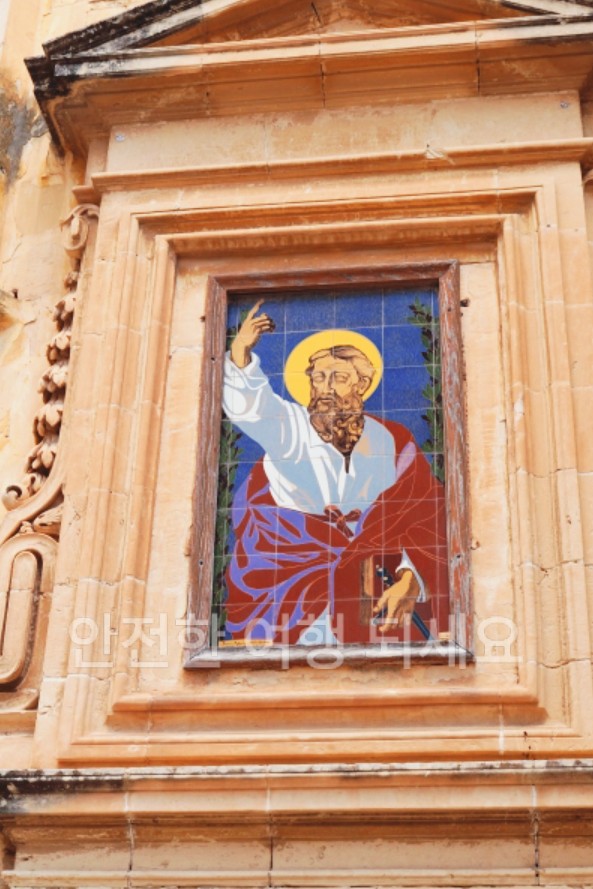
[(421, 316), (230, 451)]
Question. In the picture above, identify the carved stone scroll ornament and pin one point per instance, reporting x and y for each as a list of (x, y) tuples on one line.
[(54, 382), (29, 532)]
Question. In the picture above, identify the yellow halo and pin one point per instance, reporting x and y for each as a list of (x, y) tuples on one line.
[(297, 382)]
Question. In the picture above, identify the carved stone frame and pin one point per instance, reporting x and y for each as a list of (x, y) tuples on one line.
[(445, 276), (129, 478)]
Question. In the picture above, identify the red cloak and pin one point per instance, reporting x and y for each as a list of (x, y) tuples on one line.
[(288, 567)]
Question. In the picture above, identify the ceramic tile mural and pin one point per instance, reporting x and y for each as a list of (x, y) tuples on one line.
[(331, 510)]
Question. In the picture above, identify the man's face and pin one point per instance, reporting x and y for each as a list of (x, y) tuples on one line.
[(336, 406), (334, 382)]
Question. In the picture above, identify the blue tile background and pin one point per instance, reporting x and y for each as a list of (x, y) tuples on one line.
[(381, 315)]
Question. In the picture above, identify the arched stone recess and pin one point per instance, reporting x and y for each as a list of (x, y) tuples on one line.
[(26, 579)]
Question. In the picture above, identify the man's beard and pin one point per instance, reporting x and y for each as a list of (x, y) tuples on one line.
[(337, 419)]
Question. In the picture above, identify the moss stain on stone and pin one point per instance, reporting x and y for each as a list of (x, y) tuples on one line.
[(18, 124)]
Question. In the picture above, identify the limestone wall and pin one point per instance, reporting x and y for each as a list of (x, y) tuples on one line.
[(271, 162), (35, 197)]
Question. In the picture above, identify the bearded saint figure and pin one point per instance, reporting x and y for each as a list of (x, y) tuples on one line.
[(337, 490)]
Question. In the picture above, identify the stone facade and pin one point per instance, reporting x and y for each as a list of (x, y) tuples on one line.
[(155, 157)]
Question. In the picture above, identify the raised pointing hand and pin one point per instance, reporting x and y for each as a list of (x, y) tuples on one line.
[(250, 334)]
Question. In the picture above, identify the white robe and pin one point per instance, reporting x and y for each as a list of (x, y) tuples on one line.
[(306, 473)]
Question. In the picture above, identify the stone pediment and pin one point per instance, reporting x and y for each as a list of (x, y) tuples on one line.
[(187, 22), (264, 18), (173, 59)]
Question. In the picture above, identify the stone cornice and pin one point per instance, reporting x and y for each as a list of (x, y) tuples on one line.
[(569, 777), (431, 158), (206, 822), (83, 94)]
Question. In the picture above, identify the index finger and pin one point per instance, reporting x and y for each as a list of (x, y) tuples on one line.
[(255, 309), (381, 603)]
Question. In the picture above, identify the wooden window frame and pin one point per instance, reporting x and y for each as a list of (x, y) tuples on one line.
[(443, 275)]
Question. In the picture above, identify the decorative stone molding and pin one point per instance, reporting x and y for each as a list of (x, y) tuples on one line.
[(29, 533), (318, 69), (53, 384), (152, 376), (300, 825)]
